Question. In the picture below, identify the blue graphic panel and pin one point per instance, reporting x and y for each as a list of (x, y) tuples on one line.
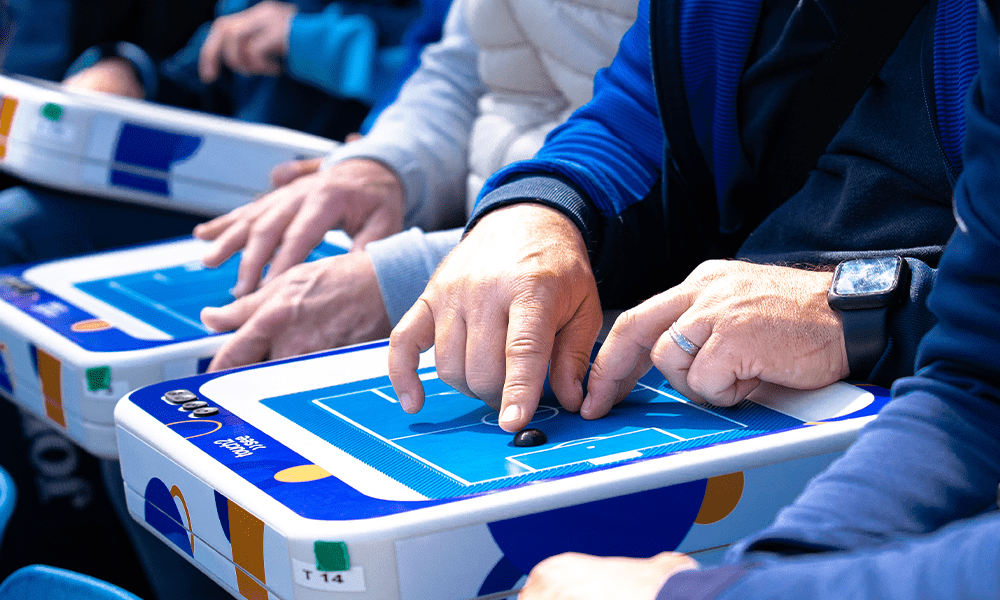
[(162, 514), (171, 299), (152, 152), (329, 498), (606, 527), (454, 446)]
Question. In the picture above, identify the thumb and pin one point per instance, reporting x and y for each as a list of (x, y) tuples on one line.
[(233, 315)]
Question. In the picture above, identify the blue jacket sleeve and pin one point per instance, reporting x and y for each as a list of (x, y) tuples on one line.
[(337, 52), (605, 158), (351, 49), (887, 520), (347, 50)]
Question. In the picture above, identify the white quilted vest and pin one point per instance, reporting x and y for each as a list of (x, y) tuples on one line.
[(538, 59)]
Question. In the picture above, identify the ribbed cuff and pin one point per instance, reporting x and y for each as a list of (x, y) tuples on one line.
[(550, 190), (401, 269)]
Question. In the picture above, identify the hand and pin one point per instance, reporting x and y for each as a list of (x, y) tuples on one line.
[(573, 576), (331, 302), (110, 76), (251, 42), (363, 197), (515, 294), (753, 323)]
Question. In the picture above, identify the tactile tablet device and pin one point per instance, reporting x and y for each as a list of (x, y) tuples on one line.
[(303, 479), (78, 334), (137, 151)]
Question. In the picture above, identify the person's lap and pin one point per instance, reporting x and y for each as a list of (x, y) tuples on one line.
[(38, 224)]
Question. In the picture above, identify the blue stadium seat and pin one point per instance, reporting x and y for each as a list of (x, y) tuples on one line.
[(8, 498), (41, 582)]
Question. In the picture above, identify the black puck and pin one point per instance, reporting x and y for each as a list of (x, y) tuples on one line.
[(179, 396), (530, 437)]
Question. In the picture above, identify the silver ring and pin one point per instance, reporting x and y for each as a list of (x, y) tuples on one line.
[(682, 342)]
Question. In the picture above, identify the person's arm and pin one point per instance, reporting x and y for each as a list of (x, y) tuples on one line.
[(959, 562), (424, 135), (520, 286), (932, 457)]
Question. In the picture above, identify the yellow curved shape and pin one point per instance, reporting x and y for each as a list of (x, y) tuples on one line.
[(722, 494), (218, 426), (176, 493), (301, 474), (90, 325)]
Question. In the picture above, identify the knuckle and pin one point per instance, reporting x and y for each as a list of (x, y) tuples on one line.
[(400, 336), (625, 322), (260, 227), (452, 374), (297, 236), (525, 346), (659, 355), (488, 388)]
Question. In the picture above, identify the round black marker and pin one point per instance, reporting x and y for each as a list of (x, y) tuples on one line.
[(194, 404), (527, 438)]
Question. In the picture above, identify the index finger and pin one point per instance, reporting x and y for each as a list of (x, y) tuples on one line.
[(413, 335), (624, 355), (209, 230), (210, 56), (530, 339), (302, 231)]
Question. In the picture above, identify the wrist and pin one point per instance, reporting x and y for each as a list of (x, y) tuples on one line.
[(550, 191)]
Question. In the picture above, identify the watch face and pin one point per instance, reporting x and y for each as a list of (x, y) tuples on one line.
[(867, 276)]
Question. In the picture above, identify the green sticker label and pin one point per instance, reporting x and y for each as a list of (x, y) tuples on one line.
[(332, 556), (52, 112), (99, 378)]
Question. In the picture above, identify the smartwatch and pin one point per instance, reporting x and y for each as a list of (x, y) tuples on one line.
[(862, 291)]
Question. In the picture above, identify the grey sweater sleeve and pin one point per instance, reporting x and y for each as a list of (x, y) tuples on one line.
[(424, 135), (404, 264)]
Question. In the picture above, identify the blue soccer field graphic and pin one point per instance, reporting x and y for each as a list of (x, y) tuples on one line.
[(171, 299), (454, 446)]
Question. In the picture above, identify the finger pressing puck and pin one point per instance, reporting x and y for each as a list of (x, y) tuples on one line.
[(530, 437)]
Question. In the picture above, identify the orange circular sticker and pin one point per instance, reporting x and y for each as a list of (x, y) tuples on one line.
[(90, 325)]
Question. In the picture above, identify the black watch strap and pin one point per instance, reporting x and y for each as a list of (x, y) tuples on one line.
[(865, 338)]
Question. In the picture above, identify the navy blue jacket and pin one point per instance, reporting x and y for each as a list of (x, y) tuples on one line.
[(651, 206), (910, 510)]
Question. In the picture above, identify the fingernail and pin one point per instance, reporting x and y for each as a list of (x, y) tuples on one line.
[(406, 402), (585, 407), (510, 414)]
